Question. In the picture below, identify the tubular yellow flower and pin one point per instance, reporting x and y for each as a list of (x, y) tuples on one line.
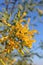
[(28, 20), (40, 12), (19, 14), (24, 13)]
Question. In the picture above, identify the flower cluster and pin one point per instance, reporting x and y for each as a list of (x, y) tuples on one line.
[(19, 34)]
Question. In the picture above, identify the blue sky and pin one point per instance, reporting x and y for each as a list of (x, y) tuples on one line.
[(39, 28)]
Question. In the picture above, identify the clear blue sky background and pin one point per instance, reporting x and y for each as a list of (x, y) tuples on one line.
[(39, 28)]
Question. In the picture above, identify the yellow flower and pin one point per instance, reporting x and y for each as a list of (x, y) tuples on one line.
[(31, 32), (40, 12), (19, 14), (8, 51), (24, 13), (29, 20)]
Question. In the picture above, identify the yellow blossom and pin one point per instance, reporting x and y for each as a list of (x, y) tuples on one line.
[(28, 20)]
